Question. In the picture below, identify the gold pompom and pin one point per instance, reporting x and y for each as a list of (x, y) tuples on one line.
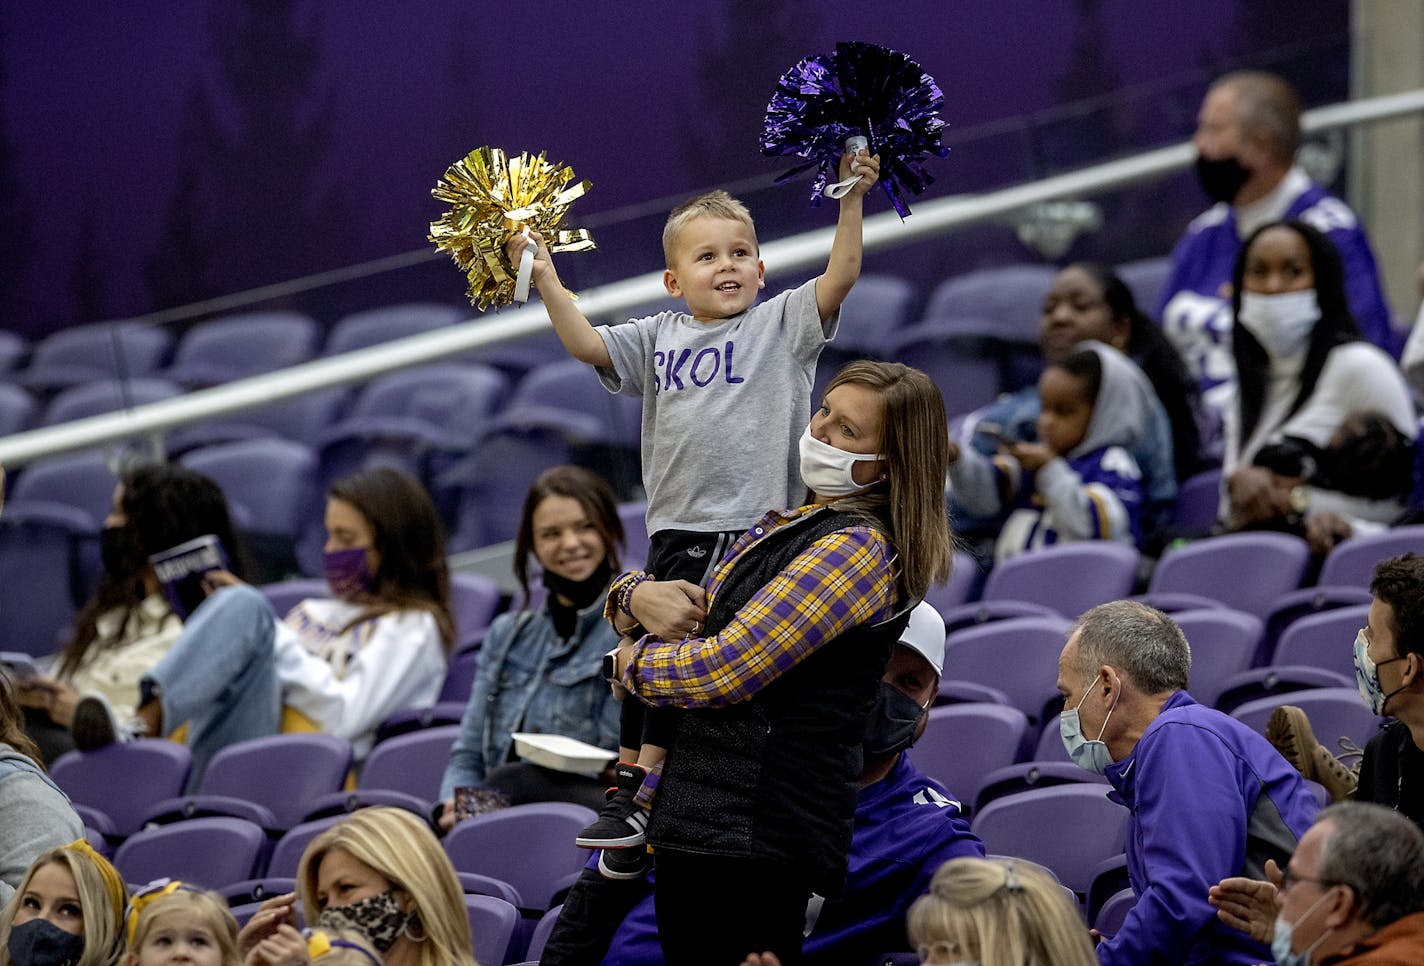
[(494, 197)]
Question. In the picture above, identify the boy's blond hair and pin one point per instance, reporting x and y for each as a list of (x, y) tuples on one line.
[(713, 204)]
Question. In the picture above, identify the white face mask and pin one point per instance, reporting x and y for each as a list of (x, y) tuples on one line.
[(1281, 323), (827, 470)]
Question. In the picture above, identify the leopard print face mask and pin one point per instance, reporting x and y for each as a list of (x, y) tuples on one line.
[(379, 917)]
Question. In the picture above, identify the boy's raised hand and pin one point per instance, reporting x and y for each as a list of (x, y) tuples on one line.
[(543, 264), (863, 164)]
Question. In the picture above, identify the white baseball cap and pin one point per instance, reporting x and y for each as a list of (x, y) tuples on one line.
[(925, 635)]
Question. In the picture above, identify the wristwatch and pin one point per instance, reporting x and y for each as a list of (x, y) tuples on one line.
[(610, 665)]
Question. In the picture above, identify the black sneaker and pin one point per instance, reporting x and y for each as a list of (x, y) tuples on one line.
[(96, 725), (622, 822), (623, 864)]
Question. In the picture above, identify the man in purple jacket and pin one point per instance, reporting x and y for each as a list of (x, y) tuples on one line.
[(1209, 798), (1247, 135)]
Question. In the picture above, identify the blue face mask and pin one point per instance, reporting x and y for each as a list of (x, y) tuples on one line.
[(1088, 755), (1367, 677), (1285, 934), (40, 942)]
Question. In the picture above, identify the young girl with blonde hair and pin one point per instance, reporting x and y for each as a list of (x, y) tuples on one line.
[(997, 912)]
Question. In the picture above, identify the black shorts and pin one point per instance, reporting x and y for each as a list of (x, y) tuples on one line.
[(688, 555)]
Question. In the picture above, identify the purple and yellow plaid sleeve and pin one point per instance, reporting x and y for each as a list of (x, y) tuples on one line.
[(841, 581)]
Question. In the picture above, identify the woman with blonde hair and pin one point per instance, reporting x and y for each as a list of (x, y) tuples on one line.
[(998, 912), (68, 911), (755, 805), (380, 872)]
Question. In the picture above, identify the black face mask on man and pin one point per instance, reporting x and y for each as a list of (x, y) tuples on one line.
[(1221, 178), (892, 723)]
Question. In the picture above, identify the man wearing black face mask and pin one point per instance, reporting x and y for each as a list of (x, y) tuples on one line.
[(1247, 135), (906, 826)]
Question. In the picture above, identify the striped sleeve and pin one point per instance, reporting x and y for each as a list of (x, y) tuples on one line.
[(841, 581)]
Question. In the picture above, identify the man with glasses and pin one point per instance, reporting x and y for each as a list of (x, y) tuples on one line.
[(1353, 892)]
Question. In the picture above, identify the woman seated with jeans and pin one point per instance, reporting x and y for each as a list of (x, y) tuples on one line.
[(127, 625), (540, 667), (344, 663)]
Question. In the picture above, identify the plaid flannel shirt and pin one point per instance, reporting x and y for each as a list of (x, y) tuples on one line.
[(843, 580)]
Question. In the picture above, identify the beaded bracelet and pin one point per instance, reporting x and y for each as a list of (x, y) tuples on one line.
[(625, 593)]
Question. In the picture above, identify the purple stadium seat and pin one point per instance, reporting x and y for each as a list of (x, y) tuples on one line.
[(988, 611), (1032, 825), (98, 350), (529, 846), (1172, 603), (568, 395), (106, 396), (1334, 713), (240, 779), (1068, 577), (635, 531), (1114, 912), (12, 349), (493, 923), (1010, 296), (474, 598), (81, 480), (963, 743), (1244, 571), (286, 594), (40, 575), (124, 780), (274, 480), (959, 589), (17, 408), (1050, 765), (542, 931), (1296, 604), (287, 853), (209, 852), (360, 330), (1352, 562), (1222, 643), (460, 676), (413, 763), (1145, 277), (244, 344), (978, 654), (942, 348), (1198, 502), (300, 418), (1323, 640)]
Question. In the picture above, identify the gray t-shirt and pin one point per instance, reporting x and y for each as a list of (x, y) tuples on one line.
[(724, 405)]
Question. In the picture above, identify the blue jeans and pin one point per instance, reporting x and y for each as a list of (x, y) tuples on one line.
[(221, 675)]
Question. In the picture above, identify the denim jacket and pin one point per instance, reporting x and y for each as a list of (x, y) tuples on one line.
[(530, 680)]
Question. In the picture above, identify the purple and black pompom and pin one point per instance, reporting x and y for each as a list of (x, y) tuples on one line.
[(861, 89)]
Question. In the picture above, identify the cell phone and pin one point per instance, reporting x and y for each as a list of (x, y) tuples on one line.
[(995, 432), (19, 666)]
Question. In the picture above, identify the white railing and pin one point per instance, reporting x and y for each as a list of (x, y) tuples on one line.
[(883, 231)]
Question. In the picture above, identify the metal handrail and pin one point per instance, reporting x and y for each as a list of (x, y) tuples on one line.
[(882, 231)]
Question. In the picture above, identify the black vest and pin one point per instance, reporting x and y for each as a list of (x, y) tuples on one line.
[(776, 777)]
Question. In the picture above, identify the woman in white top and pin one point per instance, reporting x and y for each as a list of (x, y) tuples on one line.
[(345, 663), (1303, 372), (127, 624)]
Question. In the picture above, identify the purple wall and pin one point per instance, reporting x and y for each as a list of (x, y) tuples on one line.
[(103, 110)]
